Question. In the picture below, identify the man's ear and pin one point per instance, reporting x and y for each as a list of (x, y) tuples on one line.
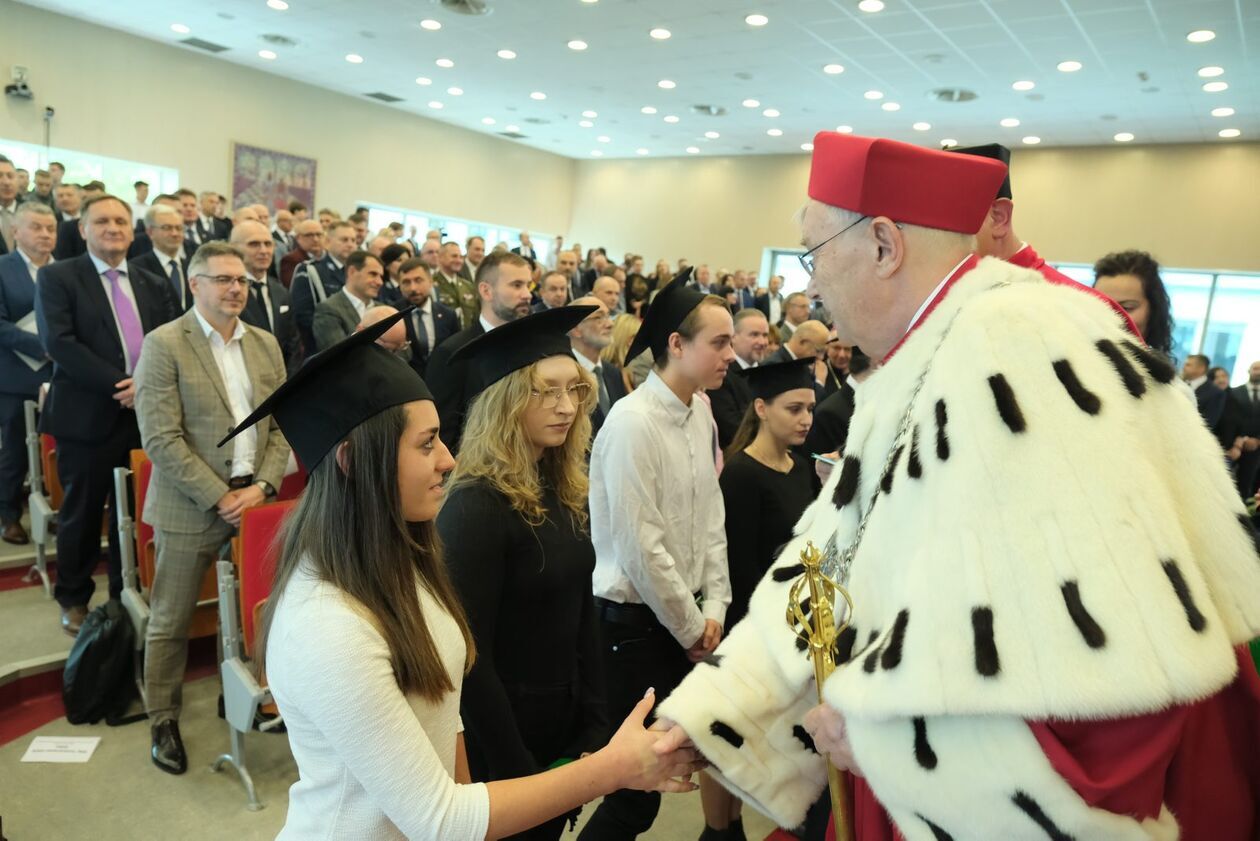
[(1001, 212), (890, 244)]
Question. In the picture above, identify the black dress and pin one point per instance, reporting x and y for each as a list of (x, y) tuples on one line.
[(762, 506), (536, 691)]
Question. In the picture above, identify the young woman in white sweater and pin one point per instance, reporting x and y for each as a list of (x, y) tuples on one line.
[(365, 643)]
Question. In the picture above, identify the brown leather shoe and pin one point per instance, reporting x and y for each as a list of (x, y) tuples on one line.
[(72, 619), (15, 534)]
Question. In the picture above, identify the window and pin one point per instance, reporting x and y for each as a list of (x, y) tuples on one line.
[(416, 224), (786, 263), (81, 167)]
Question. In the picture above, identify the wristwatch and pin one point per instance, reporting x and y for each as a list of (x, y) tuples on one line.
[(266, 488)]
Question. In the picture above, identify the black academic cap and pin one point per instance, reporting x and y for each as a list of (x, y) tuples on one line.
[(336, 390), (997, 152), (523, 342), (769, 381), (667, 310)]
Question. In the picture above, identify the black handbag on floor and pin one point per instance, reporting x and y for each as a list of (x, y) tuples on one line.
[(98, 679)]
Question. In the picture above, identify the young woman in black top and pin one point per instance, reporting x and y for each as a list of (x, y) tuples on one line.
[(514, 528)]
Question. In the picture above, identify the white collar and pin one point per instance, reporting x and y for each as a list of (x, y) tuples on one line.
[(677, 410), (102, 266), (1197, 381), (11, 206), (853, 384), (932, 296), (485, 325), (206, 328), (584, 360), (745, 365), (29, 262), (168, 258)]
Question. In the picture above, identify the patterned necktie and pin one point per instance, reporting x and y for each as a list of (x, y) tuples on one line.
[(128, 318)]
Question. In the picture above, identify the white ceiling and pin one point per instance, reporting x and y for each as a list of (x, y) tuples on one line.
[(1139, 72)]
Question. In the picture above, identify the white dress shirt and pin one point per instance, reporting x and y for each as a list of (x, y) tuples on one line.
[(485, 325), (744, 366), (776, 308), (30, 266), (230, 359), (657, 517), (360, 305), (124, 281), (1196, 382), (168, 265)]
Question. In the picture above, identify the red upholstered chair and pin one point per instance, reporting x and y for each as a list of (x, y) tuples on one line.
[(292, 485)]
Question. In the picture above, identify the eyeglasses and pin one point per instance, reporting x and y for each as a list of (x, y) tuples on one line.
[(225, 280), (807, 259), (549, 398)]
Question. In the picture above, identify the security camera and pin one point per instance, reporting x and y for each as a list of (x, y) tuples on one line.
[(19, 89), (49, 113)]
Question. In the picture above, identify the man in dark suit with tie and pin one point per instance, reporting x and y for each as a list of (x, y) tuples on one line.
[(69, 201), (730, 402), (209, 226), (503, 287), (553, 290), (188, 212), (170, 254), (526, 248), (92, 313), (744, 297), (1247, 410), (315, 280), (432, 322), (1212, 401), (24, 366), (268, 305), (589, 339)]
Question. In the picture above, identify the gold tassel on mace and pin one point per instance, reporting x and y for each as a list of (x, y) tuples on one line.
[(815, 623)]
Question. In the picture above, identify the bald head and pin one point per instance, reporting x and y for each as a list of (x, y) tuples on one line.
[(808, 340), (255, 241), (284, 220), (607, 291), (264, 213), (378, 244), (395, 338), (248, 213)]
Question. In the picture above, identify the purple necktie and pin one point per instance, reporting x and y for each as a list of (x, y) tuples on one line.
[(128, 318)]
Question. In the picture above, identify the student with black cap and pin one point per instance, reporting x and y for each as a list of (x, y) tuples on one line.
[(661, 585), (514, 527), (365, 641)]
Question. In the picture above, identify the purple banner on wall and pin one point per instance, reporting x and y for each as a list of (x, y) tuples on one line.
[(264, 176)]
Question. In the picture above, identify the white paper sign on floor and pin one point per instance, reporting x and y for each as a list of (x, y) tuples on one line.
[(61, 749)]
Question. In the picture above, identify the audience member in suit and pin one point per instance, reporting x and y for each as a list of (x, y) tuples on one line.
[(474, 253), (553, 291), (567, 265), (526, 248), (199, 376), (268, 305), (209, 224), (189, 213), (1246, 400), (807, 340), (610, 293), (598, 263), (69, 201), (838, 356), (744, 297), (337, 316), (170, 254), (431, 323), (453, 290), (771, 301), (1211, 400), (393, 256), (42, 192), (795, 313), (830, 431), (282, 233), (588, 340), (315, 280), (309, 235), (731, 401), (503, 285), (9, 201), (92, 313), (70, 241), (34, 232)]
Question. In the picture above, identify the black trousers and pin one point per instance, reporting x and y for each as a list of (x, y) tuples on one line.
[(87, 477), (12, 456), (635, 658)]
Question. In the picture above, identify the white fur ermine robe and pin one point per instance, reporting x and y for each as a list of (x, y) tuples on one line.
[(1059, 539)]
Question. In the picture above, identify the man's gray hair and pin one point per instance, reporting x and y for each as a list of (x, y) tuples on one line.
[(215, 248), (34, 208), (156, 210)]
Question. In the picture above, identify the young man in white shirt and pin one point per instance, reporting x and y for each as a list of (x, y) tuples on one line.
[(658, 524)]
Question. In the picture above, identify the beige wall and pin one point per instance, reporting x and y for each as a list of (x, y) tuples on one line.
[(1191, 206), (127, 97)]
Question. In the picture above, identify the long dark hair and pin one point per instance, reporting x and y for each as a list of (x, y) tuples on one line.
[(1159, 327), (749, 427), (349, 528)]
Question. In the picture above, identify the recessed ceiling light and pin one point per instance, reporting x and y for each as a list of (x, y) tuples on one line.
[(647, 109), (430, 24), (833, 69), (871, 6), (671, 119), (666, 84), (590, 115), (538, 95), (1032, 140), (585, 124), (770, 112), (435, 105), (845, 129), (641, 151), (423, 80), (874, 94), (603, 138), (1222, 112), (752, 103), (512, 129), (1024, 86), (1228, 132), (354, 58), (507, 55), (577, 44), (921, 126), (267, 54), (180, 28), (693, 150), (756, 20), (891, 106), (774, 132), (948, 142), (445, 62), (1069, 66), (487, 121), (278, 5), (807, 147), (660, 34), (596, 153), (712, 135), (1200, 36), (1123, 137), (1010, 122), (1216, 87), (1211, 72)]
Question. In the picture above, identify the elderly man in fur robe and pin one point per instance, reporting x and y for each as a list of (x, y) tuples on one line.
[(1051, 572)]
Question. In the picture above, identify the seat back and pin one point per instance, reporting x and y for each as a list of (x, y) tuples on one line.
[(292, 485), (259, 552), (48, 461)]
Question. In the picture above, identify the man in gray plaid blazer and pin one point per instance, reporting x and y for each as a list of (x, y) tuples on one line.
[(198, 377)]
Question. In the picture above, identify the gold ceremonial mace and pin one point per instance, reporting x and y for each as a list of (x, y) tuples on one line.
[(818, 629)]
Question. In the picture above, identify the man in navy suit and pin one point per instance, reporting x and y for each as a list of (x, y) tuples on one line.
[(9, 201), (526, 248), (24, 366), (1246, 399), (268, 305), (209, 226), (432, 322), (588, 340), (1212, 401), (92, 313), (315, 280), (170, 254)]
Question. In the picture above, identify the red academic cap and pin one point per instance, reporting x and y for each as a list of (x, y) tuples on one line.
[(878, 177)]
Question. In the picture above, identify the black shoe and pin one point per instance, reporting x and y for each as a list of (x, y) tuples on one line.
[(168, 748)]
